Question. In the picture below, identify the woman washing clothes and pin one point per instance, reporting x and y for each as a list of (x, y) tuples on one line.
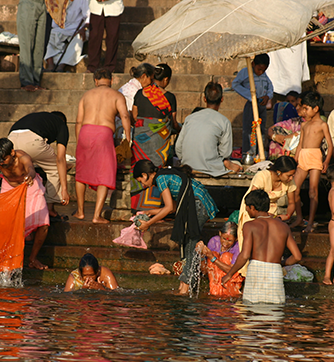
[(154, 113), (90, 275), (189, 200), (221, 253), (277, 181)]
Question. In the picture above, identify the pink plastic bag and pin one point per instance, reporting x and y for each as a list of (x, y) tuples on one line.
[(130, 236)]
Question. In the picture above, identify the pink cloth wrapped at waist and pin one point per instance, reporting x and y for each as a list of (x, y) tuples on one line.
[(310, 159), (36, 213), (96, 157)]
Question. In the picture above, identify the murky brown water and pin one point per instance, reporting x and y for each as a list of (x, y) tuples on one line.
[(45, 324)]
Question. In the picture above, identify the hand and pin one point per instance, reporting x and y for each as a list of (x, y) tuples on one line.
[(92, 284), (324, 167), (199, 247), (280, 139), (225, 279), (265, 100), (65, 197), (82, 33), (29, 180), (144, 225)]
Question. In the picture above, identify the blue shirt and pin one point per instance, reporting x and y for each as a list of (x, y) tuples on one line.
[(263, 85), (174, 182)]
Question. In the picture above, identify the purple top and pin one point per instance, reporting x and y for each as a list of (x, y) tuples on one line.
[(215, 245)]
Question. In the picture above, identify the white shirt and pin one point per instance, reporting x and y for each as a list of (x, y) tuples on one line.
[(110, 7)]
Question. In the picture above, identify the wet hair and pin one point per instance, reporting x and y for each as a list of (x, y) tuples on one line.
[(102, 74), (60, 115), (147, 167), (313, 99), (230, 227), (284, 164), (6, 147), (259, 199), (330, 173), (89, 260), (162, 71), (262, 59), (213, 93), (143, 68), (293, 94)]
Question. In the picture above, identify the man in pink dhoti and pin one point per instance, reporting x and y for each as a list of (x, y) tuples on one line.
[(96, 157), (16, 167)]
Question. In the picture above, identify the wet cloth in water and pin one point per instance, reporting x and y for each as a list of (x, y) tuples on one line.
[(232, 287), (310, 159), (12, 220), (96, 157), (36, 213), (264, 283), (78, 281)]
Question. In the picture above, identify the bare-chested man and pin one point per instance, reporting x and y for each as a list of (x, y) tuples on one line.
[(265, 239), (96, 157), (16, 167)]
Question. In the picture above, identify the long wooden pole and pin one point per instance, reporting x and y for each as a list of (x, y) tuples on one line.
[(255, 108)]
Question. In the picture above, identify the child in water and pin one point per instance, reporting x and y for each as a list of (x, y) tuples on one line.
[(90, 275), (330, 258)]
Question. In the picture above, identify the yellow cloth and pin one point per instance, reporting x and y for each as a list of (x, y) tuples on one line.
[(262, 180), (310, 159), (57, 11), (78, 281)]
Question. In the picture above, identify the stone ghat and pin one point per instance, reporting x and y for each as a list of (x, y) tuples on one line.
[(68, 241)]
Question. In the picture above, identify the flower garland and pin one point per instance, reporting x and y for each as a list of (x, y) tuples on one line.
[(253, 134)]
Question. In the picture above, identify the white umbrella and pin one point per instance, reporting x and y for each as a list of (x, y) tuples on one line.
[(216, 30)]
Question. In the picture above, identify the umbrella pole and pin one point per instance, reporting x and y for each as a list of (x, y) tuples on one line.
[(255, 108)]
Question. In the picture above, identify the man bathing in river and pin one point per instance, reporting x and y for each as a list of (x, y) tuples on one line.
[(96, 157), (264, 249), (16, 167)]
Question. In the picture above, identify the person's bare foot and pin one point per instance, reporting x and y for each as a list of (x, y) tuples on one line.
[(100, 220), (184, 289), (235, 167), (29, 88), (297, 222), (77, 215), (308, 229), (327, 281), (36, 264)]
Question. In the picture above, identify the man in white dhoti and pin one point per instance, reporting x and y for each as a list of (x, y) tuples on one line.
[(77, 13)]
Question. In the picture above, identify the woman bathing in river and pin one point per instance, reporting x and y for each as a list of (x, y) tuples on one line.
[(90, 275)]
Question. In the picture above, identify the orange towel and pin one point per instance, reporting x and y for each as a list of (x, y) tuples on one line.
[(310, 159), (12, 222), (232, 287)]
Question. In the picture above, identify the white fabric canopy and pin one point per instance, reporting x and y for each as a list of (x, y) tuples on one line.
[(202, 29)]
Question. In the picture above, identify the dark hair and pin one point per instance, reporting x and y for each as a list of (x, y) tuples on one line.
[(102, 74), (6, 147), (293, 94), (147, 167), (284, 164), (262, 59), (230, 227), (330, 173), (313, 99), (143, 68), (60, 115), (213, 93), (259, 199), (162, 71), (89, 260)]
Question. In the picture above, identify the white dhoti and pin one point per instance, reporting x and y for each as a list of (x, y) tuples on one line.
[(264, 283), (56, 46)]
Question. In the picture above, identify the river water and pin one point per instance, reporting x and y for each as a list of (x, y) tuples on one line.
[(45, 324)]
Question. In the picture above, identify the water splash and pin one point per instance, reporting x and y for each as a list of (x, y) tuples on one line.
[(11, 278), (195, 275)]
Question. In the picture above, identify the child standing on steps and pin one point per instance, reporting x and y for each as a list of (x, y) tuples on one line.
[(264, 92), (330, 258), (309, 156)]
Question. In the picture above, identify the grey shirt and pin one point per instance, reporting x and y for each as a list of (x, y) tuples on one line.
[(205, 141)]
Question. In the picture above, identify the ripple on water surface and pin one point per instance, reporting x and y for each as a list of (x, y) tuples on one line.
[(45, 324)]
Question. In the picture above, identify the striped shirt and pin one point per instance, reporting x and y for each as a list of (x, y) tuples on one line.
[(174, 182)]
